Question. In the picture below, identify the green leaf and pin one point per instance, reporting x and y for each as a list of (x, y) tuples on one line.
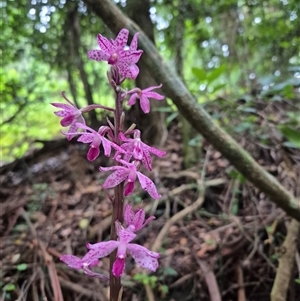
[(170, 271), (219, 87), (214, 74), (22, 267), (199, 73), (9, 287), (290, 134)]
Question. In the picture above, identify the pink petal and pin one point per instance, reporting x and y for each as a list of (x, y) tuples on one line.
[(63, 106), (102, 249), (66, 121), (125, 237), (132, 99), (86, 138), (138, 151), (90, 259), (84, 126), (128, 148), (81, 120), (142, 256), (106, 146), (122, 137), (129, 188), (97, 55), (121, 39), (93, 274), (152, 88), (128, 214), (139, 219), (148, 220), (72, 261), (148, 185), (116, 178), (72, 129), (133, 72), (134, 42), (131, 57), (62, 113), (153, 95), (147, 164), (105, 45), (93, 153), (127, 70), (155, 151), (146, 160), (144, 103), (118, 267)]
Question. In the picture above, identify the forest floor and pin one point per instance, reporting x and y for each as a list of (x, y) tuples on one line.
[(229, 244)]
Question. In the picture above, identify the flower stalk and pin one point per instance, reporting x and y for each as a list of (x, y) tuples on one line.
[(117, 204)]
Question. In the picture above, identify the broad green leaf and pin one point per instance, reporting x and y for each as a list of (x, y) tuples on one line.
[(219, 87), (9, 287), (215, 73), (200, 74), (22, 267)]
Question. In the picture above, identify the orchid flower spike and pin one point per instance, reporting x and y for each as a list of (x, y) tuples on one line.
[(128, 173), (113, 51), (142, 256), (144, 96), (135, 220), (70, 116), (134, 147)]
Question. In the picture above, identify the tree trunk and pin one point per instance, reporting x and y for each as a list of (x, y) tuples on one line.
[(189, 152), (75, 40)]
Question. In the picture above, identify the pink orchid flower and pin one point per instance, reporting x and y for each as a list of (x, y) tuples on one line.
[(135, 220), (89, 260), (129, 173), (144, 96), (134, 147), (70, 116), (113, 51), (142, 256), (96, 139)]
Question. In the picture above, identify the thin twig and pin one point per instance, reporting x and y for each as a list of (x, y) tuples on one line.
[(286, 263), (240, 280), (175, 218), (210, 280)]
